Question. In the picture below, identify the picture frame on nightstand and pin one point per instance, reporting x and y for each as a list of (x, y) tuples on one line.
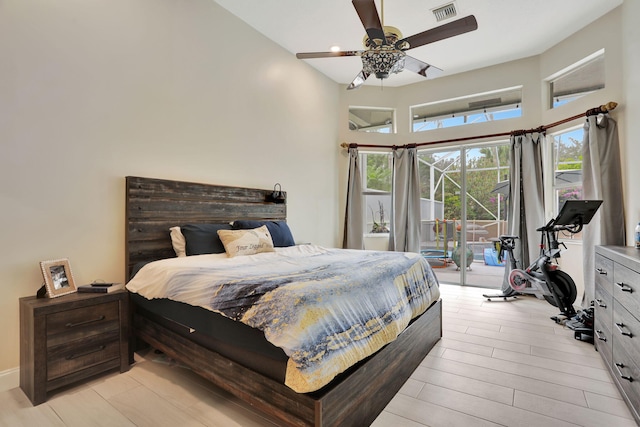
[(58, 279)]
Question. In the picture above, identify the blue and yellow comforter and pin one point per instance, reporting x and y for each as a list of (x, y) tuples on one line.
[(326, 308)]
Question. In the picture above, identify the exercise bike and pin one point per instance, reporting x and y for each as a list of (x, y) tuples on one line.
[(543, 278)]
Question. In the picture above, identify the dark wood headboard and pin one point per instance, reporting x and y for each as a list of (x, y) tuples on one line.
[(155, 205)]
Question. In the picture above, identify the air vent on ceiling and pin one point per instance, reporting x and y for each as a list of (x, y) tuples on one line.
[(445, 12)]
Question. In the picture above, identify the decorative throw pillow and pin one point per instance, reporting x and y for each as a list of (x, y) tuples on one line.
[(178, 242), (280, 232), (203, 238), (246, 242)]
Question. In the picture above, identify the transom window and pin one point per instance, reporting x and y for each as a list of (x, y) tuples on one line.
[(372, 119), (583, 77), (478, 108)]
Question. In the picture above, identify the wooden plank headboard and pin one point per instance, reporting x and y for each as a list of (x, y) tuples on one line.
[(155, 205)]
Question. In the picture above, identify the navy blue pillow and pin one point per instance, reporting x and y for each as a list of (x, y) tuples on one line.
[(203, 238), (280, 232)]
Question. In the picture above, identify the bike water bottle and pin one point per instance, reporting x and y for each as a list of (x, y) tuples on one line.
[(638, 236)]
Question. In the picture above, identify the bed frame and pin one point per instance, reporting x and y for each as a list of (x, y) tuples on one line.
[(355, 398)]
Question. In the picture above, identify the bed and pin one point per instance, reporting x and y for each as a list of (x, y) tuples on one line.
[(354, 397)]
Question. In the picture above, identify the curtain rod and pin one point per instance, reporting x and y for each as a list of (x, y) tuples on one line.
[(605, 108)]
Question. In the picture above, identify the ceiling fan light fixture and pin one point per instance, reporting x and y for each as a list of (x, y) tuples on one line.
[(382, 62)]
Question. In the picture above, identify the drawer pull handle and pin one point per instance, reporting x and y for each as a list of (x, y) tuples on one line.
[(601, 304), (624, 377), (601, 338), (95, 350), (86, 322), (620, 326), (601, 271), (624, 288)]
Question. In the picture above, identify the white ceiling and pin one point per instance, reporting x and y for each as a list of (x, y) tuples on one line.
[(507, 30)]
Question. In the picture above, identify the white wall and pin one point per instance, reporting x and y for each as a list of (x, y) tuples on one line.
[(91, 92), (630, 110)]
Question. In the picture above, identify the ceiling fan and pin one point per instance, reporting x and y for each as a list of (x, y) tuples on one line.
[(385, 46)]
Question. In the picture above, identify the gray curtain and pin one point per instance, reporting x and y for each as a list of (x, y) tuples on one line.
[(601, 180), (404, 233), (354, 214), (526, 199)]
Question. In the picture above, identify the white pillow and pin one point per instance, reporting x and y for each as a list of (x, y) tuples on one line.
[(246, 242), (178, 241)]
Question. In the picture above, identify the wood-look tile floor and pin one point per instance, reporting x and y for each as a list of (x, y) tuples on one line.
[(498, 364)]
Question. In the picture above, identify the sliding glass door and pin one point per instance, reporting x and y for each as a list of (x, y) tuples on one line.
[(464, 197)]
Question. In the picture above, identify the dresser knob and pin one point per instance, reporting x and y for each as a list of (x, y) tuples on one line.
[(94, 350), (624, 377), (622, 325), (73, 325), (624, 287)]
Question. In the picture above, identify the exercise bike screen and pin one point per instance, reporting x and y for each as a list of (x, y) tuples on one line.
[(577, 211)]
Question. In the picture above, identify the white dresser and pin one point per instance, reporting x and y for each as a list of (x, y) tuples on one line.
[(617, 314)]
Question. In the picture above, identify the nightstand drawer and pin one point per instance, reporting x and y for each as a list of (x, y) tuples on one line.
[(70, 325), (67, 358)]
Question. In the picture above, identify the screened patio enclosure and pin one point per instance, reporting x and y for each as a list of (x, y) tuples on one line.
[(463, 208)]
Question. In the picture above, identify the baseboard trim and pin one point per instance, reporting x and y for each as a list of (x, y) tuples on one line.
[(9, 379)]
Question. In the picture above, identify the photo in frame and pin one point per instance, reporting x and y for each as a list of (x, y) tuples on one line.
[(58, 279)]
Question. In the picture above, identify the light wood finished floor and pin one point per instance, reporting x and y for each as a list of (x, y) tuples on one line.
[(498, 364)]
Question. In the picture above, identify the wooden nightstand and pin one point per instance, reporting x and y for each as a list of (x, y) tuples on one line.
[(70, 338)]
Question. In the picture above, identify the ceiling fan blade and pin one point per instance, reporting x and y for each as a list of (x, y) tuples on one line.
[(460, 26), (310, 55), (422, 68), (360, 78), (370, 19)]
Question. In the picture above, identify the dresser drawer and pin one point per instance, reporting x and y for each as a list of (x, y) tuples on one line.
[(604, 273), (68, 358), (603, 307), (626, 329), (603, 340), (67, 326), (626, 288), (627, 374)]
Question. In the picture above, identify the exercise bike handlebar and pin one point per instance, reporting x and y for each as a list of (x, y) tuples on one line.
[(572, 228)]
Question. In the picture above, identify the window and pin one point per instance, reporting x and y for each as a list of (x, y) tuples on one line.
[(567, 160), (584, 77), (482, 107), (369, 119), (377, 170)]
